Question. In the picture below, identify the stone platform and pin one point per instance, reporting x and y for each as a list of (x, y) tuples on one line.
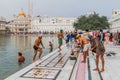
[(58, 66)]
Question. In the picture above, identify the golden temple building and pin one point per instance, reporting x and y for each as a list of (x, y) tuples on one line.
[(20, 23)]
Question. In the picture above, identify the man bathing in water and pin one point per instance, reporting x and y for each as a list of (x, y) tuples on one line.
[(36, 47), (21, 58)]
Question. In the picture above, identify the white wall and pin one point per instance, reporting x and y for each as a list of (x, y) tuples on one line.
[(52, 24)]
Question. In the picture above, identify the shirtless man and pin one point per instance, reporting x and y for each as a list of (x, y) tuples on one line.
[(85, 44), (21, 58), (36, 47), (60, 37), (84, 41)]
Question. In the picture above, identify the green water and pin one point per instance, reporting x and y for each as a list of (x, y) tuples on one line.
[(10, 45)]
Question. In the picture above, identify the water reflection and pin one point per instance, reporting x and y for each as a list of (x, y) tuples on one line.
[(10, 45)]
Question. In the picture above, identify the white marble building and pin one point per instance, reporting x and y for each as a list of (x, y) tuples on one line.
[(115, 20), (20, 23), (51, 24), (2, 25)]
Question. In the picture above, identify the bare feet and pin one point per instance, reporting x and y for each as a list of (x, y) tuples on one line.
[(32, 61), (59, 50), (60, 53), (83, 61), (102, 70), (39, 59), (96, 69)]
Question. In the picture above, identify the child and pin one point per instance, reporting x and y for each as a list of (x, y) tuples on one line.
[(51, 46)]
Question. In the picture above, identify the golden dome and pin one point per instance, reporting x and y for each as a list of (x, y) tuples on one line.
[(21, 13), (59, 17)]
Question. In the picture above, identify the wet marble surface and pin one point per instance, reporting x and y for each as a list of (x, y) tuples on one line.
[(42, 73), (111, 65), (53, 67), (58, 66)]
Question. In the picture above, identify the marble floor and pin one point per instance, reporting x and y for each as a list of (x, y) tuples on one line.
[(58, 66)]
